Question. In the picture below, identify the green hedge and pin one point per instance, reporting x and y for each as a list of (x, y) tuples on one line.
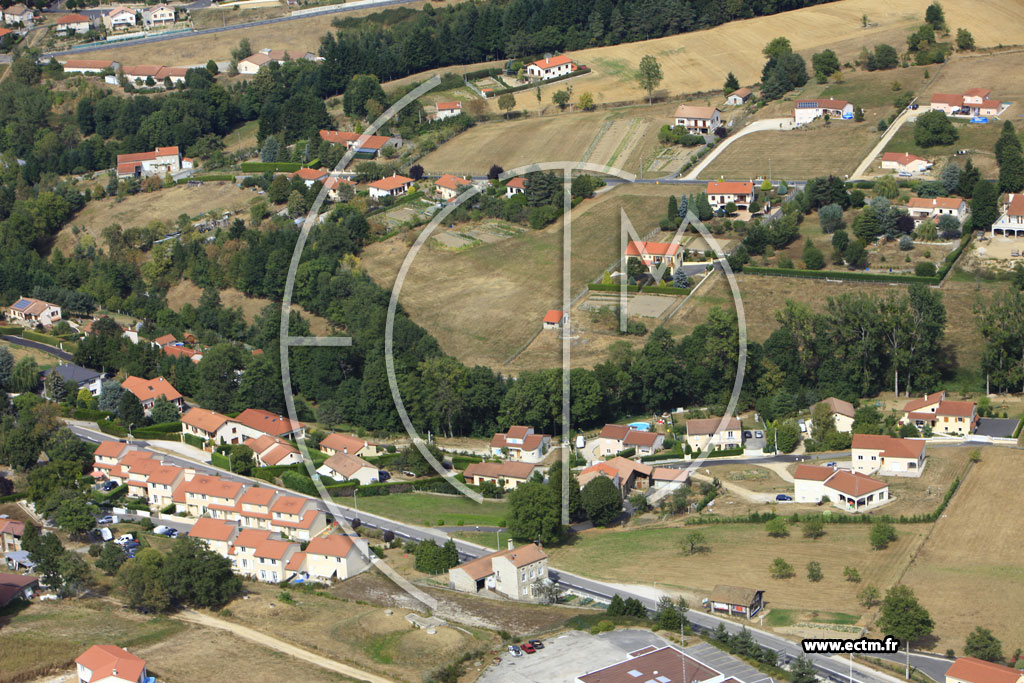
[(12, 497), (660, 289), (258, 473), (660, 456), (12, 330), (90, 415), (209, 178), (103, 496), (840, 275), (1020, 423), (112, 428), (261, 166), (952, 257), (461, 462), (218, 460), (192, 440), (168, 509), (527, 86), (42, 338), (599, 287)]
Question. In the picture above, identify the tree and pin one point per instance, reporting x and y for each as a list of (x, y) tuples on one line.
[(416, 171), (680, 278), (360, 90), (803, 671), (824, 63), (561, 98), (270, 150), (984, 206), (75, 517), (903, 617), (935, 16), (535, 513), (198, 576), (6, 367), (983, 645), (54, 387), (777, 527), (587, 101), (813, 527), (602, 501), (506, 102), (868, 596), (164, 411), (814, 574), (887, 187), (830, 217), (882, 534), (813, 258), (212, 67), (649, 75), (934, 128), (25, 375), (851, 574), (694, 542), (781, 569), (884, 57), (855, 255), (731, 83), (964, 40), (111, 558), (141, 580), (492, 174), (925, 269), (670, 616), (129, 410), (950, 177)]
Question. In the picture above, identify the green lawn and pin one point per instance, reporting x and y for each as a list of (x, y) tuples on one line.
[(436, 510), (973, 136), (788, 617), (485, 538), (873, 90)]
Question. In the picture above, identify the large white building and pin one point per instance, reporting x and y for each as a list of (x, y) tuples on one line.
[(805, 111), (887, 455), (846, 490), (158, 162), (550, 67), (1011, 222), (697, 120)]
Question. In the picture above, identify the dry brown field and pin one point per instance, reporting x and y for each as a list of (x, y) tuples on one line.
[(185, 291)]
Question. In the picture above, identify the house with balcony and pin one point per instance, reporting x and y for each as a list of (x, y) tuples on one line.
[(160, 485), (722, 193), (119, 19), (254, 507), (272, 557), (196, 494), (1011, 222), (243, 550), (157, 16), (697, 120)]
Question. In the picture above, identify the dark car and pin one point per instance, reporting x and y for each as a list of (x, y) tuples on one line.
[(913, 106), (109, 485), (130, 545), (783, 497), (445, 464), (537, 645), (747, 435), (527, 648), (383, 475)]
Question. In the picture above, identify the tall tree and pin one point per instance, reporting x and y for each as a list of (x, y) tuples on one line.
[(984, 205), (983, 645), (602, 501), (535, 513), (903, 617), (649, 75), (731, 83)]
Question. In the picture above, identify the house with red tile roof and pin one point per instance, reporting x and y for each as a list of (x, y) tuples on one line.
[(507, 474), (555, 319), (738, 96), (655, 254), (255, 422), (110, 664), (254, 507), (90, 66), (805, 111), (160, 485), (346, 444), (270, 450), (516, 573), (310, 175), (348, 467), (722, 193), (923, 209), (721, 436), (243, 549), (515, 186), (72, 23), (627, 474), (119, 19), (614, 438), (668, 478), (446, 110), (393, 186), (16, 586), (11, 531), (158, 15), (29, 310), (887, 455), (336, 557), (334, 185), (272, 557), (149, 390), (551, 67), (956, 418), (107, 456), (521, 443), (161, 160), (449, 186), (846, 490), (209, 425), (972, 670), (973, 102), (217, 534), (367, 149), (297, 517), (697, 120), (842, 413), (1011, 222), (905, 162), (199, 492)]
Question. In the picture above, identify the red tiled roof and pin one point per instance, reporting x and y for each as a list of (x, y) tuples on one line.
[(212, 529), (148, 389), (500, 470), (347, 464), (165, 339), (273, 549), (167, 151), (902, 157), (451, 182), (332, 545), (203, 484), (449, 105), (257, 495), (980, 671), (266, 421), (179, 351), (127, 167), (311, 173), (638, 437), (553, 316), (839, 406), (295, 562), (73, 19), (518, 182), (520, 557), (944, 98), (110, 449), (104, 660), (956, 408), (635, 248), (854, 483), (552, 62), (617, 432), (89, 64), (688, 111), (1015, 205), (290, 505), (926, 400), (343, 137), (977, 92), (890, 446), (813, 472), (710, 425), (391, 182), (206, 420), (305, 522), (725, 187), (517, 432), (935, 203), (669, 474), (164, 474), (250, 538), (344, 443)]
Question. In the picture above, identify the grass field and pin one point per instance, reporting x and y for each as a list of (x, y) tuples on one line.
[(44, 360), (162, 205), (445, 291), (973, 554), (436, 510), (186, 291), (740, 555)]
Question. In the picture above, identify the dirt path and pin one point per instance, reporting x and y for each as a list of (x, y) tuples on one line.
[(281, 646), (745, 493)]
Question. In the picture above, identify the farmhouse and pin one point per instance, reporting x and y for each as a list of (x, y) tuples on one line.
[(448, 186), (141, 75), (119, 19), (110, 664), (805, 111), (18, 14), (16, 586), (721, 194), (507, 474), (516, 573), (550, 67), (923, 209), (699, 433), (310, 175), (158, 162), (555, 319), (72, 23), (90, 66), (520, 443), (1011, 222), (697, 120), (958, 418), (850, 491), (158, 15), (734, 601), (446, 110), (738, 97), (515, 186), (905, 163), (888, 456), (335, 444), (270, 450), (842, 413), (148, 390), (973, 102), (661, 665), (84, 378), (394, 186), (655, 254), (971, 670), (30, 310), (253, 63), (336, 557), (347, 467), (367, 149)]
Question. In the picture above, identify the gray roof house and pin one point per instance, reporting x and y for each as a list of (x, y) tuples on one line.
[(83, 377)]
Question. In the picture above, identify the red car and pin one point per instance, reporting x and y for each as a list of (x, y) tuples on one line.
[(527, 648)]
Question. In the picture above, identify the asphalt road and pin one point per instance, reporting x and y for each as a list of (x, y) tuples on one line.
[(835, 669), (39, 346)]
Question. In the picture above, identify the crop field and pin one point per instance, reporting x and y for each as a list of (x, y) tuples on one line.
[(740, 555), (161, 205), (515, 281), (185, 291), (965, 572)]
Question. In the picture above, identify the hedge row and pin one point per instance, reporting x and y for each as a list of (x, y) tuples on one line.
[(112, 428), (261, 166), (660, 456), (12, 497), (952, 257), (461, 462), (164, 428), (12, 330), (600, 287), (192, 440), (42, 338), (840, 275), (90, 415), (221, 461), (213, 177), (1020, 423), (662, 289)]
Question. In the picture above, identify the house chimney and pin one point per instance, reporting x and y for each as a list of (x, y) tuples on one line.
[(511, 546), (189, 473)]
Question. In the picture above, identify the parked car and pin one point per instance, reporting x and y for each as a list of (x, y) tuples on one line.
[(913, 106), (383, 475), (782, 497), (527, 648), (168, 531), (514, 649), (445, 464), (537, 645), (746, 435), (831, 464), (121, 540), (758, 435), (411, 475), (107, 519), (131, 545), (109, 485)]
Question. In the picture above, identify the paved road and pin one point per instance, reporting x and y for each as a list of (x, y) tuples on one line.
[(837, 670), (38, 346), (894, 127), (754, 127)]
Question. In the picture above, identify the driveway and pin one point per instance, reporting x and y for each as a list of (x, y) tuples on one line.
[(996, 426), (755, 127), (905, 115), (38, 346)]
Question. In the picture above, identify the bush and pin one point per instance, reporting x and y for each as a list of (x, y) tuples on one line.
[(262, 166), (925, 269)]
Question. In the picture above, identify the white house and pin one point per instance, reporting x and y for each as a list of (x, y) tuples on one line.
[(160, 161), (446, 110), (449, 186), (84, 378), (158, 15), (270, 450), (393, 186), (846, 490), (923, 208), (904, 162), (554, 319), (520, 443), (516, 573), (18, 14), (310, 175), (253, 63), (1011, 222), (700, 432), (888, 456), (90, 66), (72, 23), (34, 311), (336, 557), (550, 67), (345, 444), (515, 186), (149, 390), (346, 467), (110, 664), (655, 254), (956, 418), (805, 111), (697, 120), (738, 97), (722, 193), (507, 474), (119, 19), (842, 413)]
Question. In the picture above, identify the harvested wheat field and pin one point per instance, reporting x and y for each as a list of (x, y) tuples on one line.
[(970, 569), (186, 291)]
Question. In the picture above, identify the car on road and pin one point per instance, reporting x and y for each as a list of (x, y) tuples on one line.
[(537, 644), (107, 519), (782, 497), (527, 648), (746, 435), (913, 106), (514, 649), (758, 435)]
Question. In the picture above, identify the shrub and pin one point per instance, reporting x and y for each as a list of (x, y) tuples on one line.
[(781, 569), (925, 269)]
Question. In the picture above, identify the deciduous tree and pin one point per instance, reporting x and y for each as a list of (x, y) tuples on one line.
[(649, 75)]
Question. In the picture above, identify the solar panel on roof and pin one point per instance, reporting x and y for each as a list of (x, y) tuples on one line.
[(634, 673), (806, 105), (22, 303)]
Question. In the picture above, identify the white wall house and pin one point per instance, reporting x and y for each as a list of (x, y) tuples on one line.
[(722, 193), (550, 67), (697, 120), (933, 208), (888, 456), (1011, 222), (805, 111)]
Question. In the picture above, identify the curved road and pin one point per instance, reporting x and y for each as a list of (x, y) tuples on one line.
[(785, 123), (38, 346)]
